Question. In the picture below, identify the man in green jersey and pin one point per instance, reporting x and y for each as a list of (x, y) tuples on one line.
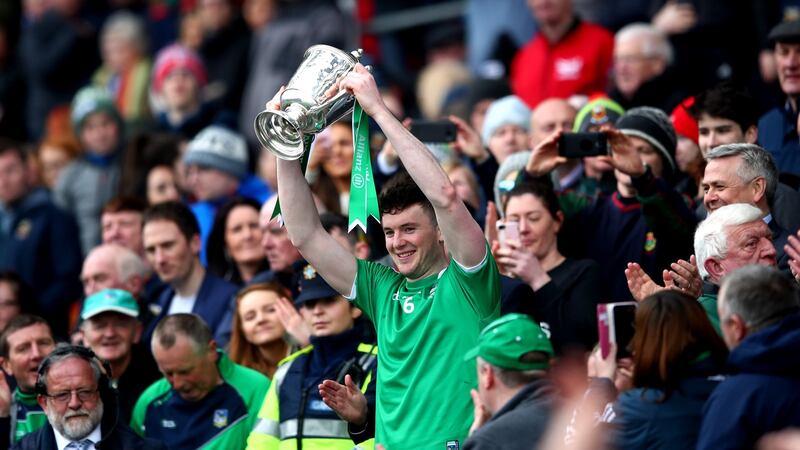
[(428, 311), (23, 345)]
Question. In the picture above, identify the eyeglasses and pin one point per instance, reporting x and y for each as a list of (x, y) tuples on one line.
[(84, 395)]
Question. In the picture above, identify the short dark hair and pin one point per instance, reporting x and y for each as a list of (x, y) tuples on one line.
[(26, 297), (539, 190), (728, 100), (11, 146), (760, 295), (16, 324), (401, 192), (175, 212), (333, 221), (125, 203), (191, 326)]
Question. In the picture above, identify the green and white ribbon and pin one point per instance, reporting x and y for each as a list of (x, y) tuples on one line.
[(307, 140), (363, 196)]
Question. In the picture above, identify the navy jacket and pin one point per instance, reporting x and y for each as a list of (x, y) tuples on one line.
[(214, 304), (763, 395), (777, 133), (39, 241), (116, 437)]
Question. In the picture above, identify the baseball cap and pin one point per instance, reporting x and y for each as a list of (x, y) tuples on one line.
[(505, 341), (106, 300), (312, 286)]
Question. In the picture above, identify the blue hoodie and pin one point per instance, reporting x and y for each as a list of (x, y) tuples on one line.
[(762, 395)]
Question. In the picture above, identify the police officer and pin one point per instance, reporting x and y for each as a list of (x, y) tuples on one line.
[(293, 409)]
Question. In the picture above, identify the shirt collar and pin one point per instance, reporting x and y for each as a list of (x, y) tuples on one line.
[(62, 442), (767, 219)]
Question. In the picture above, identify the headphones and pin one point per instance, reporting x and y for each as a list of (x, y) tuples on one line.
[(105, 384)]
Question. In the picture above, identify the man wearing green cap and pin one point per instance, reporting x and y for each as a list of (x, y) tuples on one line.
[(514, 397), (111, 328)]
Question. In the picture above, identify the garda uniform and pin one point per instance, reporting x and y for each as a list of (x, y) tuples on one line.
[(293, 415)]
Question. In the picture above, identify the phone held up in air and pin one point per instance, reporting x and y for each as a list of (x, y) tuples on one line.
[(434, 131), (581, 145), (615, 326), (507, 230)]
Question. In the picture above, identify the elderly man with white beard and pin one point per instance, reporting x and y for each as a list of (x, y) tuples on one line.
[(74, 390)]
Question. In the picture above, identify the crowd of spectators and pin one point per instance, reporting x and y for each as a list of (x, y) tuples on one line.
[(151, 296)]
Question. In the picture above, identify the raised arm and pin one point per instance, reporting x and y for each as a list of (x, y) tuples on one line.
[(462, 235), (337, 265)]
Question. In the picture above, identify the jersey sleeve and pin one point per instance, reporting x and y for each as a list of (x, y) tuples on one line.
[(372, 280), (481, 286)]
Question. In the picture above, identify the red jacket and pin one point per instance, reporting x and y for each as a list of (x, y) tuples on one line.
[(578, 64)]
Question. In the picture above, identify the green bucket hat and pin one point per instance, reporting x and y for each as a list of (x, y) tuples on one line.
[(115, 300), (503, 343)]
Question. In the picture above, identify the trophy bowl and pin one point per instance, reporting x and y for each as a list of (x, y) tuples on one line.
[(307, 105)]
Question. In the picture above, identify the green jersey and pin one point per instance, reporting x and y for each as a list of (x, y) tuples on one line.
[(26, 415), (424, 329)]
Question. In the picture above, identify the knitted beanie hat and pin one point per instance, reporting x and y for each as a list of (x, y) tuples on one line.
[(219, 148), (509, 110), (597, 112), (177, 57), (90, 100), (652, 125), (685, 124)]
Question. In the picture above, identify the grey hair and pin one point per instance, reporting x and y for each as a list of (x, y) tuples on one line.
[(129, 27), (654, 42), (129, 264), (190, 326), (58, 357), (711, 237), (760, 295), (756, 162)]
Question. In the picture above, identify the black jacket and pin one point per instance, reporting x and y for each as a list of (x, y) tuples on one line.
[(120, 437)]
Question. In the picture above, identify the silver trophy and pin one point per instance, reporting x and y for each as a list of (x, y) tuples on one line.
[(307, 105)]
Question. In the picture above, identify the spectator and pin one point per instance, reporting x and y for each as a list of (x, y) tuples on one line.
[(330, 165), (259, 336), (112, 329), (146, 151), (460, 288), (514, 395), (552, 115), (216, 164), (354, 241), (224, 49), (336, 353), (90, 181), (645, 220), (642, 75), (779, 125), (54, 155), (505, 128), (176, 90), (727, 114), (74, 389), (758, 310), (162, 185), (566, 291), (204, 400), (745, 173), (734, 236), (466, 184), (598, 173), (126, 68), (24, 344), (37, 239), (16, 298), (172, 244), (234, 245), (566, 56), (677, 359), (58, 52), (121, 223), (285, 262)]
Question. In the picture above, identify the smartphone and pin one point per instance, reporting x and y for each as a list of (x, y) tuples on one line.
[(434, 131), (580, 145), (615, 325), (507, 230)]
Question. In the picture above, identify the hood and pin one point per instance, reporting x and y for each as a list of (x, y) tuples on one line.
[(771, 351)]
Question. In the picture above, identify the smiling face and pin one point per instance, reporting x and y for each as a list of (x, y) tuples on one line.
[(329, 316), (27, 347), (243, 235), (538, 229), (723, 186), (340, 161), (413, 242), (111, 335), (259, 318)]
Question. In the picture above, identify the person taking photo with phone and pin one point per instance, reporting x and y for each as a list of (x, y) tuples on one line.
[(566, 290)]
